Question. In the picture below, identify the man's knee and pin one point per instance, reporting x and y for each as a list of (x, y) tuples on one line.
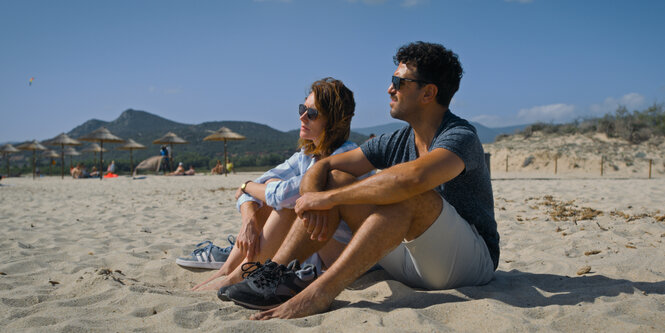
[(337, 179)]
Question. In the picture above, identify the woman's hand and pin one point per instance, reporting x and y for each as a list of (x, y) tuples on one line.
[(248, 239), (239, 192)]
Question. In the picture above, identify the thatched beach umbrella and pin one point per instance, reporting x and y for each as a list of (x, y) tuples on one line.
[(6, 150), (51, 155), (70, 151), (131, 145), (101, 135), (170, 139), (62, 140), (94, 148), (224, 134), (34, 145)]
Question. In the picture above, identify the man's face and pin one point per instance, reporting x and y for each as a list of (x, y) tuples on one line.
[(403, 101)]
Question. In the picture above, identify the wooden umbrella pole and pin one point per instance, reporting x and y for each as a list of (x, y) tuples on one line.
[(226, 162), (101, 158), (62, 161), (171, 157), (33, 164), (131, 163), (7, 158)]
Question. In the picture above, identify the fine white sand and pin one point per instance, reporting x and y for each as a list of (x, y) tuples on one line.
[(98, 256)]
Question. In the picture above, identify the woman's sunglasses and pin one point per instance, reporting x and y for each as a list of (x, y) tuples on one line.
[(311, 113), (397, 81)]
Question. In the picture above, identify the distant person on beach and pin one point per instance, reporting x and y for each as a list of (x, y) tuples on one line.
[(229, 167), (190, 171), (266, 203), (111, 168), (218, 169), (94, 173), (427, 218), (179, 171), (166, 158)]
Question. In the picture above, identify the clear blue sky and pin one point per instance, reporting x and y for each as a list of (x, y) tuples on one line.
[(197, 61)]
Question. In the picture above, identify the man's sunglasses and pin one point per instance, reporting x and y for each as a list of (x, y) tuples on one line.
[(311, 113), (397, 81)]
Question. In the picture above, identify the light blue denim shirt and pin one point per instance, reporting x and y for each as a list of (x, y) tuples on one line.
[(284, 193)]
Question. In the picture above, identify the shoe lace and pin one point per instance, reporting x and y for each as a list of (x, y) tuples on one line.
[(249, 268), (262, 274), (207, 249)]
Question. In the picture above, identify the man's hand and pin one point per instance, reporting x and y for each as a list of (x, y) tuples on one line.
[(313, 201), (314, 210)]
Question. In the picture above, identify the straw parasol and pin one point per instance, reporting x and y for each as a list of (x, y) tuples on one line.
[(70, 151), (62, 140), (131, 145), (170, 139), (224, 134), (101, 135), (94, 148), (34, 146), (6, 150), (50, 154)]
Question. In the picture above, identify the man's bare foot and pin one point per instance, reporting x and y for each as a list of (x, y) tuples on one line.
[(306, 303)]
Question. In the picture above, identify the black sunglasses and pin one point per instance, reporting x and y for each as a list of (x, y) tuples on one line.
[(397, 81), (311, 113)]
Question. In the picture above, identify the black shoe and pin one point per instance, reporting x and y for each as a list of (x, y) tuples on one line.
[(271, 285), (221, 293)]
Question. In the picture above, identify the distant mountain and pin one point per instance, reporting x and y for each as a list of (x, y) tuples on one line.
[(485, 134), (145, 127)]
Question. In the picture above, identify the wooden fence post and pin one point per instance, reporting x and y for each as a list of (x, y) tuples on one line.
[(650, 162), (556, 159), (506, 162), (601, 164)]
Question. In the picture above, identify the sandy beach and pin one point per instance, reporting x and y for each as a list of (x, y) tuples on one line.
[(578, 254)]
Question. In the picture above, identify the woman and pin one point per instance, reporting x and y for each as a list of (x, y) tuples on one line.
[(266, 204)]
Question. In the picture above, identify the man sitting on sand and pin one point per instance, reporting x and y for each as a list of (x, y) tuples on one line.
[(427, 218), (218, 169)]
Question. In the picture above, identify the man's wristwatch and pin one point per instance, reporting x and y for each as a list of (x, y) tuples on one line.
[(243, 186)]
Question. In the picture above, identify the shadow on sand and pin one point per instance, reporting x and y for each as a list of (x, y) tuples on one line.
[(516, 288)]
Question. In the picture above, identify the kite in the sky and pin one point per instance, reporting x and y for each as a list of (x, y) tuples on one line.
[(30, 82)]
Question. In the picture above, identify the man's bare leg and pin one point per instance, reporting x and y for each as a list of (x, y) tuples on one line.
[(298, 244), (378, 230)]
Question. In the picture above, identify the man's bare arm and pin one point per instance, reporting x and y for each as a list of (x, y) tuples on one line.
[(352, 162), (391, 185)]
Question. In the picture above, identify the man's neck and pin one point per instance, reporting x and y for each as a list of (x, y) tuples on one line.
[(425, 127)]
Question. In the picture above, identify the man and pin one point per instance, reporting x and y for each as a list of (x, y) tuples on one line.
[(427, 217)]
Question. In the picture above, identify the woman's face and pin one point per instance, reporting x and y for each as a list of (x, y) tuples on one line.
[(311, 129)]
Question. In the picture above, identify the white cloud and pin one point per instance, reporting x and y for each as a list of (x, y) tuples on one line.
[(631, 101), (547, 113), (489, 120)]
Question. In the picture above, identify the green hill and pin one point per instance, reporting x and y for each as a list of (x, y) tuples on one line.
[(264, 146)]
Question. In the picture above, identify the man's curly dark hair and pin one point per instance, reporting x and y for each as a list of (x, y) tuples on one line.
[(434, 64)]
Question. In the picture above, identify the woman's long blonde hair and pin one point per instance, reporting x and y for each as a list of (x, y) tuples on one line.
[(335, 103)]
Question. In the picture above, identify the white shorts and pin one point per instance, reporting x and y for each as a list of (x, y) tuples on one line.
[(449, 254)]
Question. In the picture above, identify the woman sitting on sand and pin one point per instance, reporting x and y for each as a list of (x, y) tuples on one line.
[(179, 171), (266, 203)]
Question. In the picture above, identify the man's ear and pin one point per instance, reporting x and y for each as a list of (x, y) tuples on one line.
[(429, 93)]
